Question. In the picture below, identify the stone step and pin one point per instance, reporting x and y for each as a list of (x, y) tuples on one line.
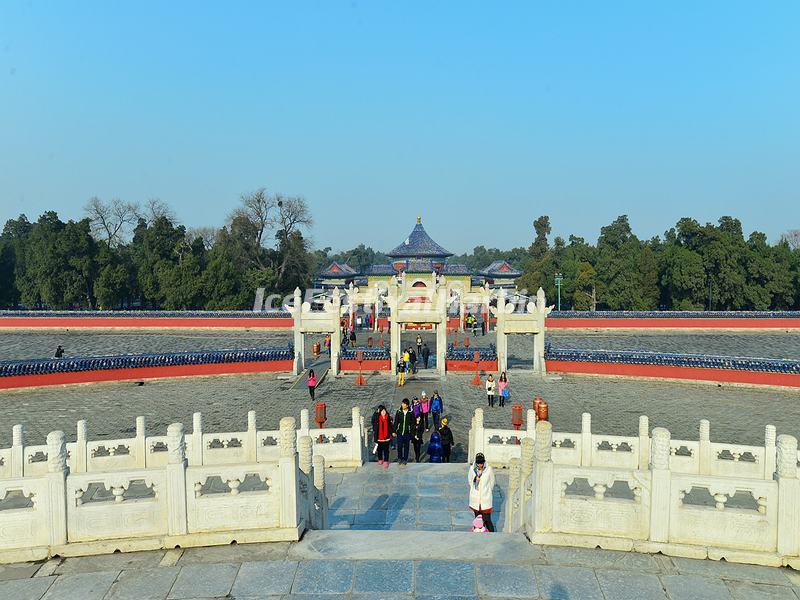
[(394, 545)]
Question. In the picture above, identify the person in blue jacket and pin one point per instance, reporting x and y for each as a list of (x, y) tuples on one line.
[(437, 408), (435, 448)]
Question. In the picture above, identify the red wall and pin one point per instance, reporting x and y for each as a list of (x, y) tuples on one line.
[(661, 371), (556, 323), (468, 365), (367, 365), (145, 322), (21, 381)]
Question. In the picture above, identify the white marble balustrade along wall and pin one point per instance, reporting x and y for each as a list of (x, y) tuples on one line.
[(736, 512), (71, 511), (340, 446), (588, 449)]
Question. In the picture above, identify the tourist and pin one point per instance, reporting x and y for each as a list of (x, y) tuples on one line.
[(446, 436), (312, 383), (426, 355), (407, 361), (483, 325), (328, 344), (382, 432), (502, 388), (478, 525), (416, 438), (353, 337), (416, 407), (419, 345), (435, 451), (401, 373), (412, 357), (425, 403), (59, 352), (437, 408), (490, 388), (403, 426), (480, 480)]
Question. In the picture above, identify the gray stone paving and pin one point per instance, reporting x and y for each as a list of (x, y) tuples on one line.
[(406, 564)]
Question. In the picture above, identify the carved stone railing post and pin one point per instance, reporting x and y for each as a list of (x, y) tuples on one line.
[(705, 458), (320, 504), (356, 447), (252, 437), (197, 440), (586, 440), (514, 503), (79, 462), (57, 471), (542, 507), (140, 444), (644, 442), (479, 440), (305, 449), (304, 424), (17, 451), (526, 482), (660, 491), (176, 480), (471, 440), (290, 485), (788, 497), (770, 451), (530, 423)]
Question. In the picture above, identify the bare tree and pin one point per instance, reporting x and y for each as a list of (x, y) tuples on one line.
[(110, 221), (293, 212), (792, 237), (154, 209), (257, 207), (207, 234)]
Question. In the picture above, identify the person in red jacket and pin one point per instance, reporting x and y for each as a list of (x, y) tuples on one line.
[(382, 431)]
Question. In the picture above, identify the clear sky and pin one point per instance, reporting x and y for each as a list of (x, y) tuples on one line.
[(479, 115)]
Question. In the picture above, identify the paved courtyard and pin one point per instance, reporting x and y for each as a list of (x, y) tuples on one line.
[(389, 565)]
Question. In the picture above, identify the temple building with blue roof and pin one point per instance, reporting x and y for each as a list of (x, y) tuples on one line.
[(419, 254)]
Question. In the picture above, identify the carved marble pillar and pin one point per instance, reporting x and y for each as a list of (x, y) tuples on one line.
[(197, 440), (290, 485), (479, 442), (81, 438), (305, 449), (704, 453), (57, 471), (586, 440), (320, 507), (252, 437), (770, 451), (542, 506), (530, 423), (660, 486), (513, 509), (644, 442), (140, 443), (788, 496), (176, 480), (17, 451), (354, 439)]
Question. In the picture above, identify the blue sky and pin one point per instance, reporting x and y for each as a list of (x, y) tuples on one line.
[(481, 116)]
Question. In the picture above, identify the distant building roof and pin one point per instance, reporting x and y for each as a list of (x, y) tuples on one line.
[(419, 245), (456, 269), (338, 270), (380, 270), (500, 268)]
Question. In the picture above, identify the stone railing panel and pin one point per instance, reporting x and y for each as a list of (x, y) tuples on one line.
[(614, 451), (24, 513), (124, 504), (750, 524), (233, 497)]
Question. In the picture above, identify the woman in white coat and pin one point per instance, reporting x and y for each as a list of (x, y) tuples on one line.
[(480, 479)]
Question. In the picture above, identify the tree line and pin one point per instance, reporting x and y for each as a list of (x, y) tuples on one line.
[(123, 255)]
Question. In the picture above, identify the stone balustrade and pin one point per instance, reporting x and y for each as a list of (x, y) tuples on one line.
[(71, 506), (588, 449), (735, 512), (340, 446)]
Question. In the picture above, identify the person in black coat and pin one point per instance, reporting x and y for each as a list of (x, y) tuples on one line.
[(426, 355), (446, 435), (413, 359), (416, 438)]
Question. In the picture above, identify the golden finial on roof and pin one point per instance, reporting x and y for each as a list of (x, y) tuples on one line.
[(419, 220)]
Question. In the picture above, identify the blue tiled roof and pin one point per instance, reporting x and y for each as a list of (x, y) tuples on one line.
[(419, 245), (456, 269), (380, 270), (338, 270), (424, 265), (500, 268)]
